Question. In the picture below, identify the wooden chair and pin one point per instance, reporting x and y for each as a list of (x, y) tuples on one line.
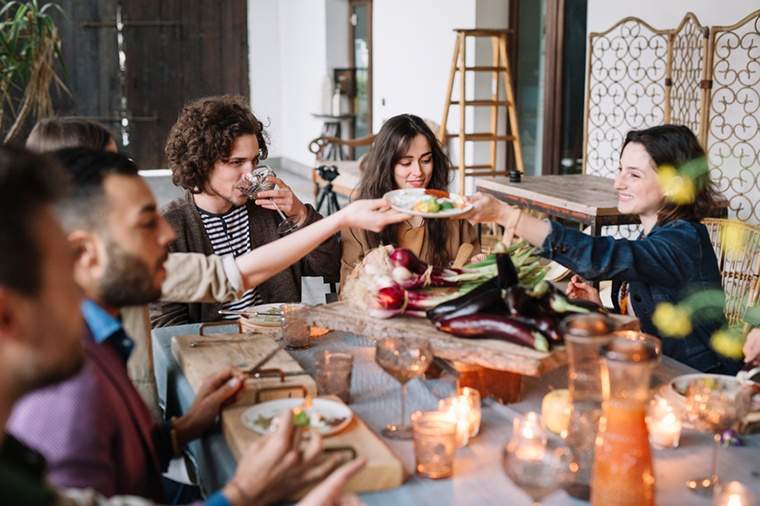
[(737, 247)]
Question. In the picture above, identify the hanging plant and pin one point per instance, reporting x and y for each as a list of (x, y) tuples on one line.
[(29, 48)]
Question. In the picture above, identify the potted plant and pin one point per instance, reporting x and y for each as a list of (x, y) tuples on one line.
[(29, 48)]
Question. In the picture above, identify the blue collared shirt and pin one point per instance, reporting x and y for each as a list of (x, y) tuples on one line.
[(107, 329)]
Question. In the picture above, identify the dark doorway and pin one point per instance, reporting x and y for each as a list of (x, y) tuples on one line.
[(132, 64)]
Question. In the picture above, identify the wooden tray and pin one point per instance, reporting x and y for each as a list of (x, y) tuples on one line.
[(243, 350), (382, 471)]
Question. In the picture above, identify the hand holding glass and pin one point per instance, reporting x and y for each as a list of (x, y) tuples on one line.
[(261, 179)]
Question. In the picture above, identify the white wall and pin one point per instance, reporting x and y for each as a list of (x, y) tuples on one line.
[(413, 41), (662, 14)]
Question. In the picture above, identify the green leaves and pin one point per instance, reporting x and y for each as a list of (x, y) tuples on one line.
[(29, 48)]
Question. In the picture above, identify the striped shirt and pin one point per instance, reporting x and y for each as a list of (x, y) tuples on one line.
[(229, 233)]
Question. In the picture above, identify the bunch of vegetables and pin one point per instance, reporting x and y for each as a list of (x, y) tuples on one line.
[(392, 281), (504, 308)]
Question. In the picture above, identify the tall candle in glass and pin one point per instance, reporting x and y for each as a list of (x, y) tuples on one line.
[(623, 474), (584, 335)]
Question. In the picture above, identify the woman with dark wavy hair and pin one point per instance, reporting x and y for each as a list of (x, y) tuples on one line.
[(406, 154), (663, 179)]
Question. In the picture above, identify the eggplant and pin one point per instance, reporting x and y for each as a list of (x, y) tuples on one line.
[(480, 297), (486, 326), (548, 325), (507, 273), (519, 302)]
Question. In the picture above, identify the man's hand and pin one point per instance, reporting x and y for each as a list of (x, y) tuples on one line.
[(279, 464), (370, 214), (752, 346), (216, 390), (577, 289), (285, 199)]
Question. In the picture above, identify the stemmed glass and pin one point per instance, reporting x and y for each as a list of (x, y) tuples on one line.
[(715, 404), (534, 463), (404, 358), (258, 180)]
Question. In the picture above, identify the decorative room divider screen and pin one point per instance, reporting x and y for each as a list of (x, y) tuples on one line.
[(707, 78)]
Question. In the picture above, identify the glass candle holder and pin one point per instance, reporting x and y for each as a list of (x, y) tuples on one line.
[(472, 397), (333, 374), (434, 434), (663, 424), (457, 408), (295, 330)]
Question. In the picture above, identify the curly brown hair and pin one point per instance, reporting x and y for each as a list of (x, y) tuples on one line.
[(204, 134)]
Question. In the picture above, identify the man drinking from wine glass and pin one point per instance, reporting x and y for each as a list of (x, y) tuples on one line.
[(213, 146)]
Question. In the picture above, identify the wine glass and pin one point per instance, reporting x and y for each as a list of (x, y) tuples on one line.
[(715, 404), (259, 180), (534, 463), (404, 358)]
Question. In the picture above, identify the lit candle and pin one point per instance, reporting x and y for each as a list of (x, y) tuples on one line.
[(733, 494), (664, 426), (531, 438), (472, 396), (457, 408)]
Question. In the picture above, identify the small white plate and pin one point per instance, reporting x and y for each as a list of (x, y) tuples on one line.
[(404, 200), (260, 417)]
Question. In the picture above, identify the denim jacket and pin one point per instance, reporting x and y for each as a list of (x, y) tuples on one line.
[(675, 259)]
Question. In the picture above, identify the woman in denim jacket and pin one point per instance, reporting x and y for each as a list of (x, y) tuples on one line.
[(672, 258)]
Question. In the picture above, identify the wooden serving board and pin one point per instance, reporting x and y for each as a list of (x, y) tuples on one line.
[(490, 353), (217, 351), (382, 471)]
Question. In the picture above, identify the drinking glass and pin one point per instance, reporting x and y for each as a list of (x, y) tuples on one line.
[(259, 180), (295, 330), (333, 374), (715, 404), (434, 444), (404, 358), (534, 463)]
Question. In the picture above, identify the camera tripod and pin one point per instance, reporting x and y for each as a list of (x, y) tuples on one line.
[(326, 194)]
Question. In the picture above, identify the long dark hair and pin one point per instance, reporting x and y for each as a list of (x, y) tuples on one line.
[(676, 145), (391, 143)]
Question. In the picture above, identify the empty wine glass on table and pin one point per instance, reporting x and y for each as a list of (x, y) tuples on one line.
[(404, 358), (536, 464), (259, 180), (715, 404)]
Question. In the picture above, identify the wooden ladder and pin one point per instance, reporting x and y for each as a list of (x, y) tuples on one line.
[(499, 70)]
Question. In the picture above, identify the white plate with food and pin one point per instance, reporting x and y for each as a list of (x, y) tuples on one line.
[(427, 202), (326, 416)]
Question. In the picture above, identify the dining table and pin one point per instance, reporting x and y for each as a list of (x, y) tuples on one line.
[(478, 477)]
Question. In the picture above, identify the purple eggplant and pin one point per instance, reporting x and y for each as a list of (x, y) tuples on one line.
[(487, 326)]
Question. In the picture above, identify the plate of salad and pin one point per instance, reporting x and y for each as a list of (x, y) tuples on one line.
[(427, 202), (325, 416)]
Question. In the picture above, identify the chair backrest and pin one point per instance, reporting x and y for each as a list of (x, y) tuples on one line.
[(737, 247)]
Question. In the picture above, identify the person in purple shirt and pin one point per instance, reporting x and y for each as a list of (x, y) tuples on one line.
[(93, 429)]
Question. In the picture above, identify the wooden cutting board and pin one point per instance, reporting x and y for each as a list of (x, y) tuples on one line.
[(216, 351), (382, 471), (489, 353)]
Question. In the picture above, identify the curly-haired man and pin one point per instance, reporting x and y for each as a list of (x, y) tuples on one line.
[(213, 144)]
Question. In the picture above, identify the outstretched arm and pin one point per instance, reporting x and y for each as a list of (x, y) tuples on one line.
[(265, 261)]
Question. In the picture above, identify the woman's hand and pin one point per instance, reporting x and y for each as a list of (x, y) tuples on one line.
[(486, 209), (752, 346), (370, 214), (285, 199), (578, 289)]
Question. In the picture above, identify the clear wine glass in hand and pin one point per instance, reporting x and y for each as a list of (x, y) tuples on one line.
[(534, 463), (404, 358), (259, 180), (715, 404)]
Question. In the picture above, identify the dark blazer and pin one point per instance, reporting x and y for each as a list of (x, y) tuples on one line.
[(183, 216), (94, 430), (675, 259)]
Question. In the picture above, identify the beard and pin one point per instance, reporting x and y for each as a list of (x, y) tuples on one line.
[(128, 281)]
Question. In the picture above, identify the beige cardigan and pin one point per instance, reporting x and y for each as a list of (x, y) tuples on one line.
[(355, 245), (190, 277)]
